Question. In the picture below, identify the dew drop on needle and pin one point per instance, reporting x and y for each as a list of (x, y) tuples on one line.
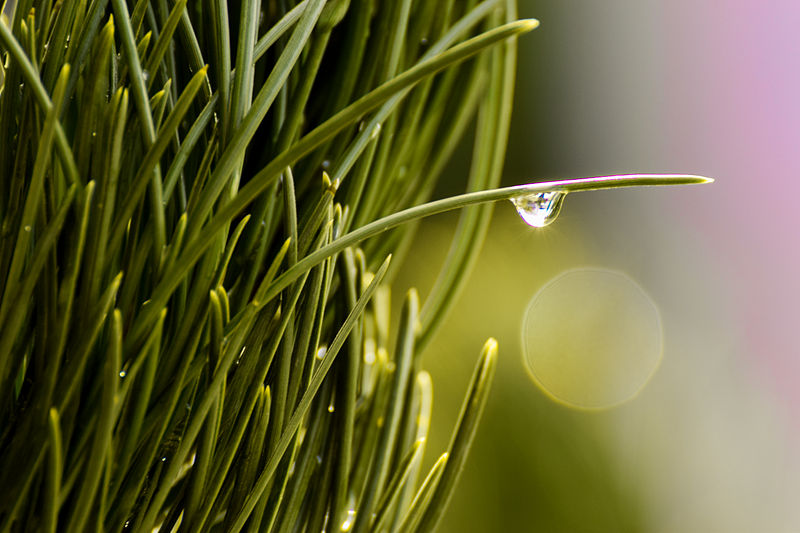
[(539, 209)]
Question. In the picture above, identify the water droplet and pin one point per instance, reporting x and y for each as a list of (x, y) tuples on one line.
[(369, 351), (122, 373), (94, 134), (539, 209), (319, 459), (375, 131), (592, 338), (424, 41), (347, 525), (164, 459), (27, 228), (331, 408), (145, 75), (326, 164), (321, 352), (127, 523)]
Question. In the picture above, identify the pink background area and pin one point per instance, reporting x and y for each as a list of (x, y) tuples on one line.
[(732, 92)]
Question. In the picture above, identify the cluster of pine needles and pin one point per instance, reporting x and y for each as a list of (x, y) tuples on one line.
[(190, 336)]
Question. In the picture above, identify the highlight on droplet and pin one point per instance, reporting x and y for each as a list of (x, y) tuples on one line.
[(539, 209), (592, 338)]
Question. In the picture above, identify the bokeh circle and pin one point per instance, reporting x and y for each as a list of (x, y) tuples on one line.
[(592, 338)]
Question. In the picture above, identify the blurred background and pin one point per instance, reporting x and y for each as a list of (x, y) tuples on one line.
[(711, 443)]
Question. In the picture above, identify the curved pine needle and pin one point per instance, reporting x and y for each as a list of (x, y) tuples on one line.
[(54, 470), (423, 496), (396, 485), (463, 200), (418, 426), (471, 412)]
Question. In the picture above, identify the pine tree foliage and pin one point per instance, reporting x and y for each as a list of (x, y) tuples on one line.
[(190, 336), (195, 329)]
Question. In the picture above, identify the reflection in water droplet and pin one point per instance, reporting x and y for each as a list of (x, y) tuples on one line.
[(369, 351), (163, 459), (326, 164), (122, 373), (321, 352), (539, 209), (347, 525), (592, 338), (331, 408), (27, 228)]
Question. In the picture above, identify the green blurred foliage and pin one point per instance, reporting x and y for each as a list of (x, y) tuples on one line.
[(536, 465)]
